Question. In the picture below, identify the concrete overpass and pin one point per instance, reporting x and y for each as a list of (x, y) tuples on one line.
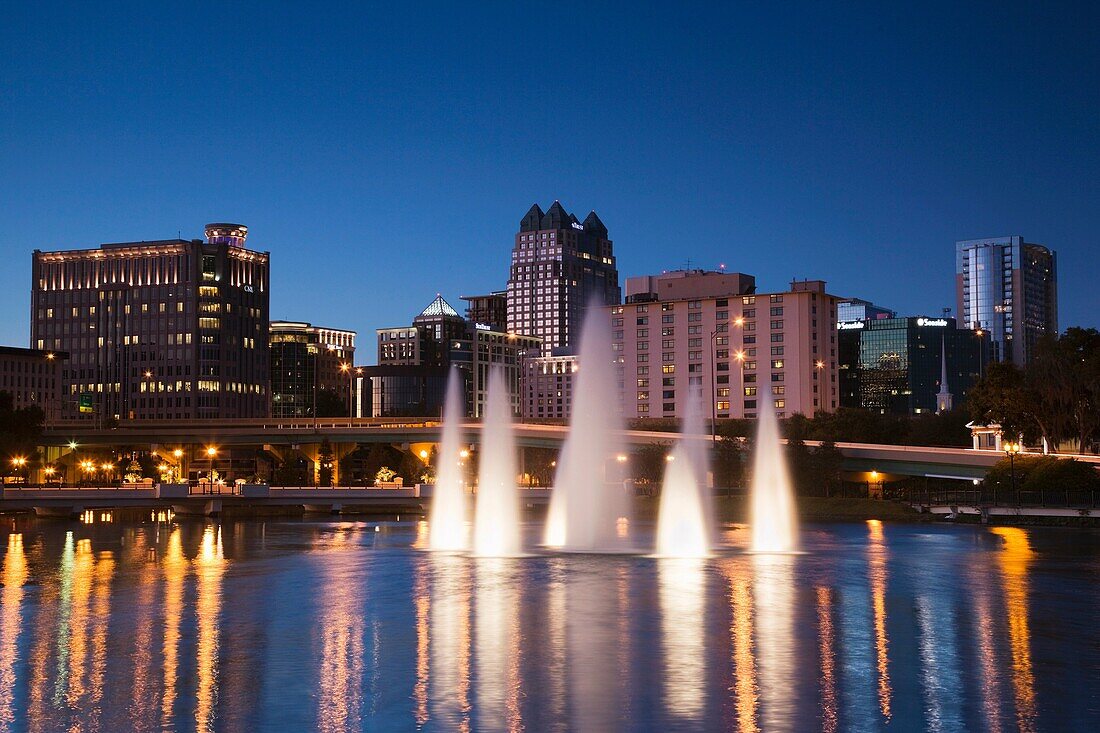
[(863, 461)]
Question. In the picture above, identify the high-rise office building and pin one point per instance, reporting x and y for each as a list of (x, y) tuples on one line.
[(1007, 289), (161, 329), (560, 266), (307, 362), (906, 365), (690, 334)]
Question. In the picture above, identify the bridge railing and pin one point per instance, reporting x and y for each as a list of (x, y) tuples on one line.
[(1068, 497)]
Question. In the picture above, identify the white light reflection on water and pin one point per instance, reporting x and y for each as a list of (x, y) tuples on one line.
[(940, 674), (449, 643), (682, 593), (341, 627), (592, 650), (774, 596), (496, 645)]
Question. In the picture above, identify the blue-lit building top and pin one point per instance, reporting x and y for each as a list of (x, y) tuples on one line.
[(855, 309)]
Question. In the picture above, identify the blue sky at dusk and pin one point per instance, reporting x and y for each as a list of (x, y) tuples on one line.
[(383, 153)]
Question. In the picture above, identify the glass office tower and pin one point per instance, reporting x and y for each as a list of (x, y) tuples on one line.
[(1007, 289)]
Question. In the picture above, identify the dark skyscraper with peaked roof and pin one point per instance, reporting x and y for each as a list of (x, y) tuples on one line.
[(559, 266)]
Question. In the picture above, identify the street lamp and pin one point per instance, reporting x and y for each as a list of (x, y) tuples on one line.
[(1011, 449)]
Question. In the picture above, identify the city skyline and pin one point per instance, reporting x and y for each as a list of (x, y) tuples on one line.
[(851, 159)]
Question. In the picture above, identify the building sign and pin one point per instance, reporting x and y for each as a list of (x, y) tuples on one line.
[(84, 403), (482, 327), (940, 322), (848, 325), (577, 226), (248, 289)]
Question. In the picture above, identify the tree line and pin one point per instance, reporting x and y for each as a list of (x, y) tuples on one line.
[(1055, 398)]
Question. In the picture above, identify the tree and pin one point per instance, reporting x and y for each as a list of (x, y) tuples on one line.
[(20, 431), (727, 462), (649, 464), (330, 404), (1001, 397)]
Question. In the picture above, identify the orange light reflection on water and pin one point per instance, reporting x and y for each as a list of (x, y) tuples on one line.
[(209, 567), (876, 551), (11, 601), (1015, 561)]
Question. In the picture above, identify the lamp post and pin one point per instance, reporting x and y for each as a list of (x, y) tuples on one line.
[(211, 453), (1012, 449), (345, 367)]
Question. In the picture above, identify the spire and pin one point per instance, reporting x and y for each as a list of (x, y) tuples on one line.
[(556, 217), (943, 397), (439, 307), (530, 221), (593, 224)]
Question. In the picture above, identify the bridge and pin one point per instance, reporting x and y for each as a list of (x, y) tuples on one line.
[(865, 462)]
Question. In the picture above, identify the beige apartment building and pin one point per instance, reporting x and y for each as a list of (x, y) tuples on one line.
[(692, 333)]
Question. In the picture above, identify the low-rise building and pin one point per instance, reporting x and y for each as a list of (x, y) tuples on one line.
[(308, 362), (547, 385), (439, 337)]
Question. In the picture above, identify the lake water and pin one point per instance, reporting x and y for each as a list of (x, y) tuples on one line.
[(280, 625)]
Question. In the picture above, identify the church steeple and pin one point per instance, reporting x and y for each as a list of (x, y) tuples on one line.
[(944, 398)]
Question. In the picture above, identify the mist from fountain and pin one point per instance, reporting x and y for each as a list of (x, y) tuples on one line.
[(684, 518), (447, 528), (773, 520), (496, 514), (585, 507)]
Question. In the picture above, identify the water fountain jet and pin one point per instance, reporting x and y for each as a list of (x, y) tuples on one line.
[(683, 521), (496, 515), (585, 508), (447, 527), (773, 520)]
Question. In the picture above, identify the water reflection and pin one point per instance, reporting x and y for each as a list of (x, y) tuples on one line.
[(683, 604), (341, 625), (774, 596), (11, 617), (115, 627), (1014, 562), (939, 653), (746, 692), (830, 709), (209, 567), (143, 695), (497, 645), (593, 698), (175, 573), (876, 554), (985, 623), (450, 642)]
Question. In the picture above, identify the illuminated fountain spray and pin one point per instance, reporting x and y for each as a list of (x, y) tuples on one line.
[(683, 523), (774, 525), (587, 513), (496, 516), (447, 520)]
